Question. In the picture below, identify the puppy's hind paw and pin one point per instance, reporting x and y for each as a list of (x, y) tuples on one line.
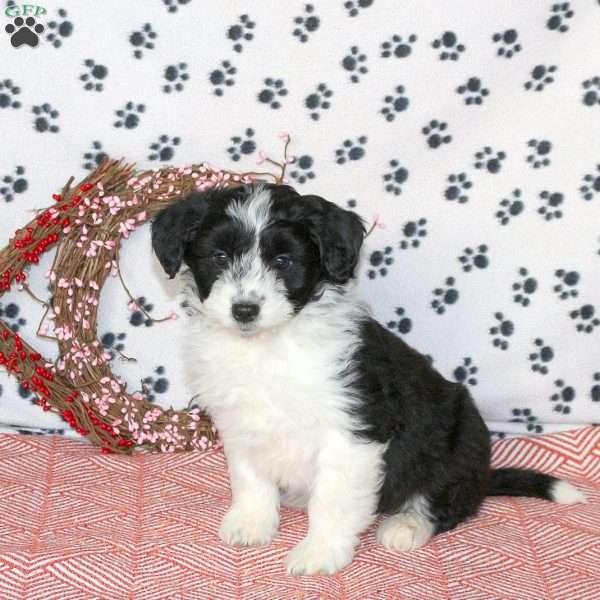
[(404, 531)]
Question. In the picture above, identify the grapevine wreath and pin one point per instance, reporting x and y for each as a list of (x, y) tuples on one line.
[(86, 225)]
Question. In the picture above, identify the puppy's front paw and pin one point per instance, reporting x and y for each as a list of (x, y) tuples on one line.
[(318, 557), (245, 527)]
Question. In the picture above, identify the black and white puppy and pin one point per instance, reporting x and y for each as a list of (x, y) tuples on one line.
[(316, 403)]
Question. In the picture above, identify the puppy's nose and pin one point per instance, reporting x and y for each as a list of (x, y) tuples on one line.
[(244, 312)]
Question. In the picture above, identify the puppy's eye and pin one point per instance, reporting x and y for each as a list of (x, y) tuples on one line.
[(220, 258), (282, 262)]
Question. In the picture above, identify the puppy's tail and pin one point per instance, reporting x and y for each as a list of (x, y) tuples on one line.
[(525, 482)]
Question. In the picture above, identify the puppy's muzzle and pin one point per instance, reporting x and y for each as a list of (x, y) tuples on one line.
[(245, 312)]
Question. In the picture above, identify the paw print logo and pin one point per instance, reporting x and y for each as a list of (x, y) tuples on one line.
[(449, 46), (318, 100), (306, 24), (524, 288), (457, 188), (10, 313), (595, 389), (541, 76), (59, 29), (92, 79), (274, 90), (398, 46), (435, 134), (8, 93), (24, 32), (394, 104), (510, 207), (402, 324), (508, 44), (152, 385), (242, 145), (175, 76), (142, 40), (502, 330), (241, 32), (164, 148), (444, 296), (45, 116), (540, 357), (540, 149), (523, 415), (413, 232), (551, 202), (303, 171), (129, 115), (560, 13), (591, 184), (474, 258), (222, 77), (585, 318), (465, 373), (473, 91), (489, 159), (94, 157), (380, 260), (138, 317), (591, 87), (13, 184), (567, 284), (354, 6), (564, 395), (173, 5), (395, 178), (355, 64), (113, 343), (351, 150)]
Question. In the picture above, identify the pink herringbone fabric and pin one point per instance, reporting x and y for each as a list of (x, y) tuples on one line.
[(80, 525)]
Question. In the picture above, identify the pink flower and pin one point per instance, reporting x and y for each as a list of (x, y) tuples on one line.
[(261, 157)]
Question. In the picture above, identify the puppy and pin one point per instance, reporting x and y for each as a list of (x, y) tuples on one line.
[(318, 405)]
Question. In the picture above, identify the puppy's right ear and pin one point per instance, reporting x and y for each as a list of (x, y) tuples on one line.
[(175, 226)]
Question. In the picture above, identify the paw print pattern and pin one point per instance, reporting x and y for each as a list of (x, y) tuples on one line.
[(510, 207), (45, 116), (551, 202), (142, 40), (595, 389), (591, 87), (164, 148), (540, 149), (394, 104), (318, 100), (380, 260), (351, 150), (473, 91), (354, 6), (24, 32), (223, 76), (474, 258), (173, 5), (129, 115), (540, 357), (152, 385), (402, 324), (489, 159), (413, 231), (444, 296), (591, 184), (8, 94), (395, 178), (303, 169), (541, 76), (457, 188), (523, 415), (508, 44), (94, 157), (10, 313), (465, 373), (275, 89), (59, 29), (92, 79), (448, 45), (113, 343), (501, 331), (241, 32), (585, 318), (137, 317), (567, 284), (560, 13), (564, 395), (524, 288), (242, 145), (306, 24), (175, 76), (398, 46), (13, 184), (435, 134), (355, 64)]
